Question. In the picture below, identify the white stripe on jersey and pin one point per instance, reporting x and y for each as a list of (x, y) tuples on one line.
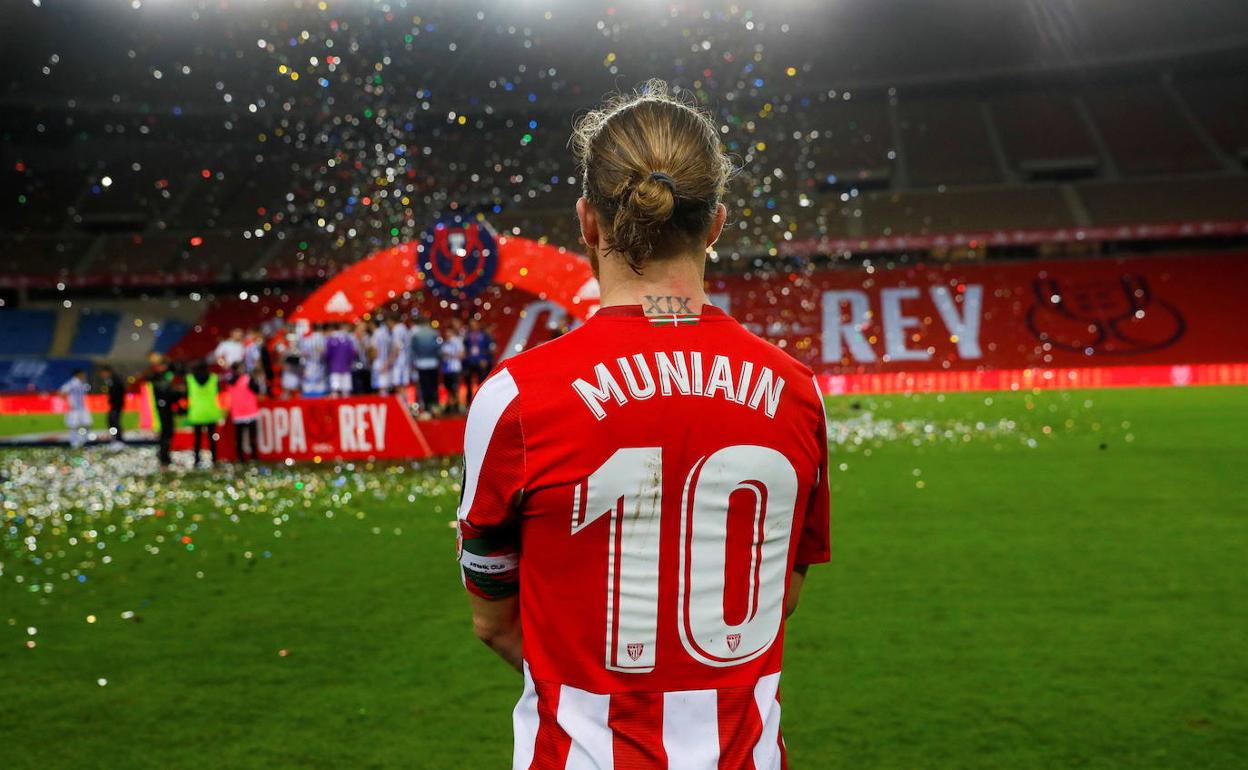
[(767, 750), (583, 716), (691, 729), (819, 395), (524, 723), (487, 407)]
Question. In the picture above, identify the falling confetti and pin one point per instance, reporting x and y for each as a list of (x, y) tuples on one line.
[(62, 515)]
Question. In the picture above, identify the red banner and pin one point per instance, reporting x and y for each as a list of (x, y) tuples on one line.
[(1010, 316), (1178, 375), (358, 428)]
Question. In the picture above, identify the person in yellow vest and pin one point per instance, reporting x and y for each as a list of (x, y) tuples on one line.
[(203, 408)]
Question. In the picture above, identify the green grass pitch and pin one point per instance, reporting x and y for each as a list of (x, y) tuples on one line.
[(23, 424), (1028, 580)]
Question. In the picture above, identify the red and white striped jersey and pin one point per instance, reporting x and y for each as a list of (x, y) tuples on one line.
[(647, 486)]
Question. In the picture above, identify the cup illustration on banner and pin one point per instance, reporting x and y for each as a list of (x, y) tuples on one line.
[(1108, 317), (458, 257)]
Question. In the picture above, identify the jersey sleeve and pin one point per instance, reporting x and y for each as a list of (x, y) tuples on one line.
[(814, 544), (494, 472)]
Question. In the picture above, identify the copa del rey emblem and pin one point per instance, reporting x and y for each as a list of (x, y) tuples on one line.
[(734, 641), (634, 650), (458, 257)]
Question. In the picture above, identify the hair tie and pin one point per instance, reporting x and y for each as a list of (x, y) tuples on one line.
[(660, 177)]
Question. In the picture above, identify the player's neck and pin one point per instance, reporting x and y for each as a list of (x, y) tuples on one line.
[(665, 287)]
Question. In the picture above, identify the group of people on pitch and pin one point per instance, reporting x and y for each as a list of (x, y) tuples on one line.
[(434, 365)]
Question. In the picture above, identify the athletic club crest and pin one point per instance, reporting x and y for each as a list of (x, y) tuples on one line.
[(734, 641), (634, 650), (458, 257)]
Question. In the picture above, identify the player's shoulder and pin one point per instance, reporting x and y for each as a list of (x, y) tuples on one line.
[(537, 359)]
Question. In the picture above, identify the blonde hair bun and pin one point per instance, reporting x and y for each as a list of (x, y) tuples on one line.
[(652, 167)]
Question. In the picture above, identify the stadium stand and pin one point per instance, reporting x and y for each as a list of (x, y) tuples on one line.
[(219, 257), (26, 332), (43, 198), (271, 184), (1174, 200), (1145, 133), (97, 329), (1221, 104), (170, 334), (853, 137), (946, 142), (963, 210), (134, 254), (312, 252), (1043, 135), (44, 255), (201, 197), (226, 313)]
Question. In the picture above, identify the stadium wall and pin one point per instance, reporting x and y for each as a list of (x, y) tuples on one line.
[(1021, 316)]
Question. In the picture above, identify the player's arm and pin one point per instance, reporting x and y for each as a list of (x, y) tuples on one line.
[(489, 561), (497, 623), (796, 581), (488, 517), (814, 540)]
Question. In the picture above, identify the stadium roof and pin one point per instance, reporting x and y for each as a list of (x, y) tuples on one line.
[(84, 50)]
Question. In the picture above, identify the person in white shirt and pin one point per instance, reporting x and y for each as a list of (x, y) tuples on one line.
[(253, 352), (453, 351), (77, 418), (230, 351), (312, 349), (381, 352), (400, 356), (287, 349)]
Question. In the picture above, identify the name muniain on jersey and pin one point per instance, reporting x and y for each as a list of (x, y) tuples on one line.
[(644, 375)]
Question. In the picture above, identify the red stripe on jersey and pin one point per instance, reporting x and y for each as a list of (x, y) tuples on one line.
[(739, 728), (784, 750), (618, 534), (636, 722), (550, 749)]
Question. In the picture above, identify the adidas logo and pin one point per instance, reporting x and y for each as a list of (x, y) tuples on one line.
[(339, 304)]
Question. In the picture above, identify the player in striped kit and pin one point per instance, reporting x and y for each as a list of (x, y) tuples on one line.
[(643, 495), (312, 350)]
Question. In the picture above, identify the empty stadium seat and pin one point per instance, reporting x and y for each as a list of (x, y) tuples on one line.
[(1041, 130), (41, 255), (1144, 131), (1221, 103), (946, 142), (95, 333), (221, 256), (853, 136), (130, 255), (26, 332), (170, 334), (976, 210), (1176, 200)]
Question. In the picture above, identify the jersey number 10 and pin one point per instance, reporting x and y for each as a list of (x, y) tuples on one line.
[(628, 489)]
